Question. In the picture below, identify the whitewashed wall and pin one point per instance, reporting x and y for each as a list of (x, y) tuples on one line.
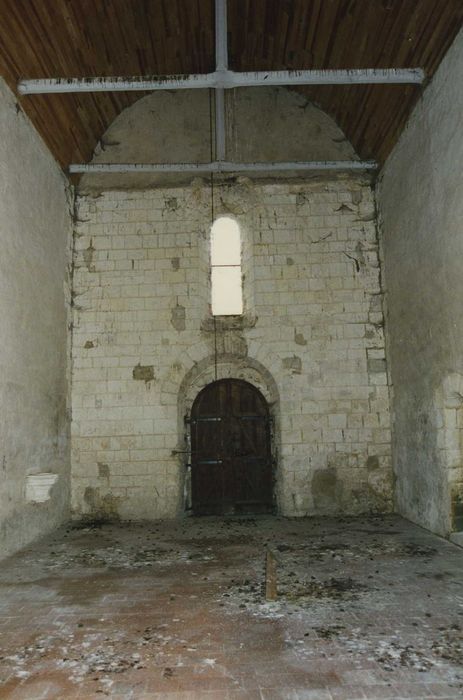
[(421, 203), (35, 235)]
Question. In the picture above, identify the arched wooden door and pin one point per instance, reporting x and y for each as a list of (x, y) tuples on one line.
[(231, 465)]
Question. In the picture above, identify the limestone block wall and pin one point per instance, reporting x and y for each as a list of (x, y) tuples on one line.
[(421, 202), (35, 237), (311, 338)]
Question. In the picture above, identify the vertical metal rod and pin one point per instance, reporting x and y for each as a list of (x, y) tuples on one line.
[(221, 58), (220, 124), (221, 40)]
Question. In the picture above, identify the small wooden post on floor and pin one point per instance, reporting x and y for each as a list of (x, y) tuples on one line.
[(271, 589)]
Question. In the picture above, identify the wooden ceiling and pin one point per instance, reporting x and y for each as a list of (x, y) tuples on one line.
[(82, 38)]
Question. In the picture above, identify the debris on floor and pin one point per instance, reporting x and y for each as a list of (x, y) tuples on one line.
[(365, 608)]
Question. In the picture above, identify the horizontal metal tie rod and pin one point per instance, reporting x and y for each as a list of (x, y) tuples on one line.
[(223, 79), (221, 167)]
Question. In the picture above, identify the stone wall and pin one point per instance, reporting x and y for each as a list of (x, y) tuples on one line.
[(35, 236), (174, 126), (421, 203), (311, 339)]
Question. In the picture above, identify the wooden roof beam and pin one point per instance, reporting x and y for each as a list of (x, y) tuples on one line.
[(221, 167), (224, 79)]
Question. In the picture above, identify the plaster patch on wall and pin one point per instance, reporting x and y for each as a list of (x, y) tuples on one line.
[(178, 317), (101, 506), (143, 373), (373, 463), (299, 338), (326, 489), (232, 343), (103, 470), (376, 365), (171, 204), (293, 363), (88, 257), (379, 492)]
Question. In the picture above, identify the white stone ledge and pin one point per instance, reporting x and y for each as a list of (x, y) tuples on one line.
[(38, 486)]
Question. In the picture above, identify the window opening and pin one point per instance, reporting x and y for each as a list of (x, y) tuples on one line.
[(226, 279)]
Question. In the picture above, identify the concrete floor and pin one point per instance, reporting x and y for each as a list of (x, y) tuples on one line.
[(367, 608)]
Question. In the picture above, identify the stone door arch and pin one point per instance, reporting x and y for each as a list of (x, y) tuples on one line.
[(202, 374)]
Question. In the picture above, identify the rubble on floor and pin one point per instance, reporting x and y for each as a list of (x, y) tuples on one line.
[(366, 608)]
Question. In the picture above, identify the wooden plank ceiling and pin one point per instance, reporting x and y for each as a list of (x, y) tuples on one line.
[(81, 38)]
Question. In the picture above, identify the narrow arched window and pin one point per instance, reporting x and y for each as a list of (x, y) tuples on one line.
[(226, 281)]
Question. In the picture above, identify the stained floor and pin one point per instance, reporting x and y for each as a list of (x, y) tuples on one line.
[(367, 608)]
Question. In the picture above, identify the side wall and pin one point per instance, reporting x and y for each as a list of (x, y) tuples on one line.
[(312, 335), (35, 234), (421, 203)]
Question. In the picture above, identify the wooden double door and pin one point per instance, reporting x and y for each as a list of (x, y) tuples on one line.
[(231, 464)]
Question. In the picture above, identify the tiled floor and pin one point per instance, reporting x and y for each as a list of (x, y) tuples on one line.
[(367, 608)]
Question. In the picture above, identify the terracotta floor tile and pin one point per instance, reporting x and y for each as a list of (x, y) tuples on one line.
[(367, 610)]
